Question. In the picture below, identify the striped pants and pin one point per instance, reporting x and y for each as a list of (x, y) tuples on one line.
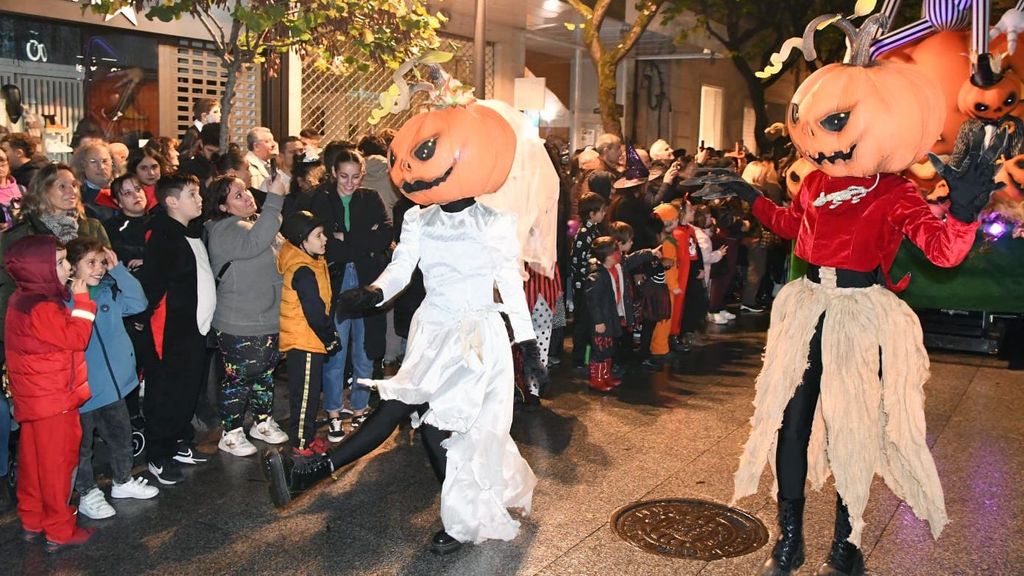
[(305, 378)]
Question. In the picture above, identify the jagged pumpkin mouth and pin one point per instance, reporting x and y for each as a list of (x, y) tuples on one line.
[(424, 185), (821, 158)]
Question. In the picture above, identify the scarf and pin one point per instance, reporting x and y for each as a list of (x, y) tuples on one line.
[(64, 226)]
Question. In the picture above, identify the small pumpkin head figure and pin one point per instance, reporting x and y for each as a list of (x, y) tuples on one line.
[(451, 153), (864, 118), (990, 102)]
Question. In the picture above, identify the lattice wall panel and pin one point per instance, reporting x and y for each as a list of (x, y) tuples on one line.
[(200, 75), (338, 106)]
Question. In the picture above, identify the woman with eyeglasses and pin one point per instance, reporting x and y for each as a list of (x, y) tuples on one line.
[(10, 194)]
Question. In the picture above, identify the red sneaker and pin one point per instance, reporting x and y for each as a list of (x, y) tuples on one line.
[(79, 537)]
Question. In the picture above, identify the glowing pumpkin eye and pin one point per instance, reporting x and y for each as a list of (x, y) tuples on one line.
[(426, 150), (794, 113), (1010, 100), (979, 107), (835, 122)]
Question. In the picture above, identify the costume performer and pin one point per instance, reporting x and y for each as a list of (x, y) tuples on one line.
[(456, 381), (841, 387)]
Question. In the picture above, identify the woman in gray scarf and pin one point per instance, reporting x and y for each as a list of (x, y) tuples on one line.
[(52, 206)]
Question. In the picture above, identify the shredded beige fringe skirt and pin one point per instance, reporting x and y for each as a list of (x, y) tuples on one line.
[(863, 425)]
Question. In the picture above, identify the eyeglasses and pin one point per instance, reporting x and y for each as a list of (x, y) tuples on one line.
[(99, 162)]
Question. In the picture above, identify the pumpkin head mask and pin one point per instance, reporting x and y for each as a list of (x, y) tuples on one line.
[(864, 118), (990, 102), (451, 153)]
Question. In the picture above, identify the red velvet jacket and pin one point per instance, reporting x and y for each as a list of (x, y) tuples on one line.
[(862, 229)]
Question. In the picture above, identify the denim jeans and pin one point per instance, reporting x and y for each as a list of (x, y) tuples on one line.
[(352, 336), (114, 426), (5, 432)]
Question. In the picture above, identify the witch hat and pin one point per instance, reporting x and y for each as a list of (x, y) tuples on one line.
[(636, 173)]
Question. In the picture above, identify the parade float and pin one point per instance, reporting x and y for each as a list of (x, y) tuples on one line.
[(978, 68)]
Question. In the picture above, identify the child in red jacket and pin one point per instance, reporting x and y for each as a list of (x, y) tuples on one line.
[(46, 345)]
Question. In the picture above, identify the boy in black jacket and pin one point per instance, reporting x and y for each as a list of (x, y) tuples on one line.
[(610, 302), (180, 288)]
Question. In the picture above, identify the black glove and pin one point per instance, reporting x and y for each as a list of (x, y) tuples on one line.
[(352, 303), (972, 183), (533, 366), (333, 346), (745, 191)]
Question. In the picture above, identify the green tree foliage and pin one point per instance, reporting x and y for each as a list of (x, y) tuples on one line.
[(606, 59), (751, 31), (323, 32)]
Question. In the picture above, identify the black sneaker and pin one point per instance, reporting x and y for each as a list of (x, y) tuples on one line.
[(335, 432), (755, 309), (166, 471), (186, 455), (357, 421), (652, 364)]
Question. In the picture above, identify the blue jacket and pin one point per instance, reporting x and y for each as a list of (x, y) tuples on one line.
[(110, 357)]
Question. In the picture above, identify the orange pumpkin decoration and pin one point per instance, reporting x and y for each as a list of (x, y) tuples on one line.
[(451, 153), (992, 102), (943, 57), (862, 120)]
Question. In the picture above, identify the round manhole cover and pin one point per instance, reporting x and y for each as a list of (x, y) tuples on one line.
[(692, 529)]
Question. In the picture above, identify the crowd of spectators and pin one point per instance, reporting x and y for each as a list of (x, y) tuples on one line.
[(189, 259)]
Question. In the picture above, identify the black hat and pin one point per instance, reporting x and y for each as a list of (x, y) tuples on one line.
[(297, 227)]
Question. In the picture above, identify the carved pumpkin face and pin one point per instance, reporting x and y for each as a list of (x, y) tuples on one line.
[(990, 103), (451, 153), (864, 120)]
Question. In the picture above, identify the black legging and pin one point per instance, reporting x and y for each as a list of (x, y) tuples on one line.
[(795, 434), (379, 426)]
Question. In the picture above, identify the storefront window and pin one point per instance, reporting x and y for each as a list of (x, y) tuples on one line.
[(83, 79)]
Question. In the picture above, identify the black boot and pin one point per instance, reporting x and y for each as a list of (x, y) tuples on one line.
[(291, 476), (844, 559), (788, 553), (442, 543)]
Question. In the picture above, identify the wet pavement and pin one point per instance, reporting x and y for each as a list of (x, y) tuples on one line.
[(673, 434)]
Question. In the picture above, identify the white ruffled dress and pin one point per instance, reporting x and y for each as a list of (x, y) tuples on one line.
[(459, 360)]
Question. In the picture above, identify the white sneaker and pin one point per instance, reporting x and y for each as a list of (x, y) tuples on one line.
[(94, 505), (269, 432), (727, 315), (718, 318), (137, 488), (236, 443)]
